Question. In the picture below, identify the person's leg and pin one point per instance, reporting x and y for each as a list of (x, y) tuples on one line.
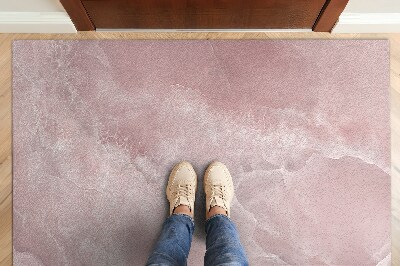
[(223, 245), (173, 245)]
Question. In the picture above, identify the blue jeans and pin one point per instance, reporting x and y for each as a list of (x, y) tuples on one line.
[(222, 243)]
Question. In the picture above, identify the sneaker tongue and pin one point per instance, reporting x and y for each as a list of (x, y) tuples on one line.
[(182, 201), (216, 201)]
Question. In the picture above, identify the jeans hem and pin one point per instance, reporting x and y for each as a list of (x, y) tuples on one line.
[(216, 215), (184, 215)]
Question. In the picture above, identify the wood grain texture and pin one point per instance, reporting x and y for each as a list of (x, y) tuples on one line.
[(5, 112), (78, 14), (329, 15), (204, 14)]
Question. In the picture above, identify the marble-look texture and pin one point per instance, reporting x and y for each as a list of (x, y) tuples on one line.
[(302, 125)]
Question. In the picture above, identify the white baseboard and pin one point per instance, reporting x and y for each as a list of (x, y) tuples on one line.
[(367, 23), (36, 22)]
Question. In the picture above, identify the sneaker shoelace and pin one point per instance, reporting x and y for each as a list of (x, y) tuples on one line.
[(183, 191), (218, 191)]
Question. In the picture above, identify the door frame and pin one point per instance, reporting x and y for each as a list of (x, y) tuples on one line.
[(329, 15), (325, 21), (78, 15)]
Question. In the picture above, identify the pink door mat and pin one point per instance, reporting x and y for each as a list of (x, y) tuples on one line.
[(302, 125)]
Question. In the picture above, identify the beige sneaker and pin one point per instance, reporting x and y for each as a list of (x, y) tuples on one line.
[(182, 184), (218, 186)]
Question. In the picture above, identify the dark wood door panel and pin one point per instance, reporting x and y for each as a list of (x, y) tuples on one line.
[(204, 14)]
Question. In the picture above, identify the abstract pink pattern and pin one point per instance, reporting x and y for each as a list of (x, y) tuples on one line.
[(302, 125)]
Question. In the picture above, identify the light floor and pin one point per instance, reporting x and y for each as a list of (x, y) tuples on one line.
[(5, 113)]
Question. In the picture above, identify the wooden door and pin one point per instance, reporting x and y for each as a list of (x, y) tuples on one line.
[(319, 15)]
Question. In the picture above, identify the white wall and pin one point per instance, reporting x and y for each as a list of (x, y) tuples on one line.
[(34, 16), (31, 6), (373, 6), (369, 16)]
